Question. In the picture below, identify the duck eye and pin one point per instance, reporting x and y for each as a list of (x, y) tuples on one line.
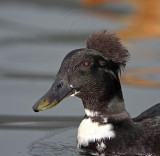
[(86, 63)]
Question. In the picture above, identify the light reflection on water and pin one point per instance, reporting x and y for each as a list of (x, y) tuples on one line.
[(34, 38), (63, 144)]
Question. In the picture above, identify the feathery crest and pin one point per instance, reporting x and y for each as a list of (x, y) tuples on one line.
[(110, 46)]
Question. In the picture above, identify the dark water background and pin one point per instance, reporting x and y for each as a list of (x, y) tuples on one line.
[(34, 38)]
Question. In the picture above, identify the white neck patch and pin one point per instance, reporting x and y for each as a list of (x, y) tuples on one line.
[(90, 131), (91, 113)]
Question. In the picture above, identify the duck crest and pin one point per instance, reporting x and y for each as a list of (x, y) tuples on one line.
[(110, 46)]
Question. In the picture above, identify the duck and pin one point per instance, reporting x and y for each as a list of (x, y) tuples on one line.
[(93, 74)]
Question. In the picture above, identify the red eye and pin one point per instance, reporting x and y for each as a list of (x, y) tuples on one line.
[(86, 63)]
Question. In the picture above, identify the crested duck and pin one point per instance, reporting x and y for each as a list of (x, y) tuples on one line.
[(92, 74)]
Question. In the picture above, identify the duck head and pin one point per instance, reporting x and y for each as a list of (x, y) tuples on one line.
[(92, 74)]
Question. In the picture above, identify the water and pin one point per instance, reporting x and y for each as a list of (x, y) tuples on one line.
[(59, 144), (34, 38)]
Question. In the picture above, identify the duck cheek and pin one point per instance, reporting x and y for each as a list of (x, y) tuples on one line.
[(81, 73)]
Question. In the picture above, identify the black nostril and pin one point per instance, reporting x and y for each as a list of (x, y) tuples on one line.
[(59, 86), (44, 100)]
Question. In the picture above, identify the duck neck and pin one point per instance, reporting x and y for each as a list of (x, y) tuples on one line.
[(107, 102)]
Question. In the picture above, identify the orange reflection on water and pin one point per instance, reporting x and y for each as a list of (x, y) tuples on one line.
[(138, 77), (91, 3), (143, 23)]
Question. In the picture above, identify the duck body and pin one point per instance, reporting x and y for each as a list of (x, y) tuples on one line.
[(92, 74)]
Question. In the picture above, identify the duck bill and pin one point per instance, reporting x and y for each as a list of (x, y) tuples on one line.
[(58, 91)]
